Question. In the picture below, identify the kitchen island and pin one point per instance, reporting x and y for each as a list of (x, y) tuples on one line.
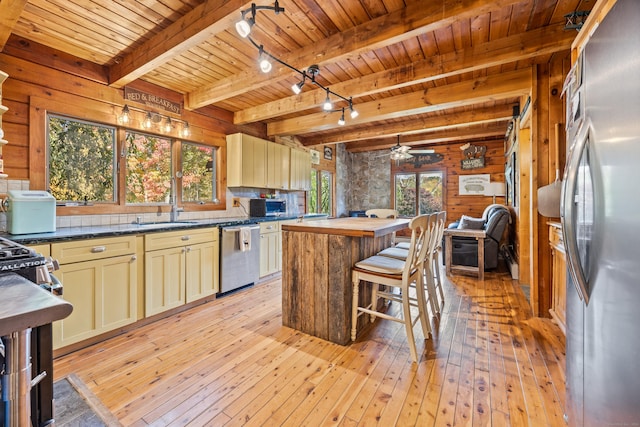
[(317, 258)]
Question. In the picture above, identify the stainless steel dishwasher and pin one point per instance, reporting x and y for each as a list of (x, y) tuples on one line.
[(239, 256)]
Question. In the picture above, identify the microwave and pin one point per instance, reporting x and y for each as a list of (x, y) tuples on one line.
[(267, 207)]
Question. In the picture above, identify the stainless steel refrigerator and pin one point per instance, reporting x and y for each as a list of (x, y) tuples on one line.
[(601, 225)]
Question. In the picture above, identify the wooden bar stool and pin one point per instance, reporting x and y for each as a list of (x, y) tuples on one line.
[(380, 270), (399, 252)]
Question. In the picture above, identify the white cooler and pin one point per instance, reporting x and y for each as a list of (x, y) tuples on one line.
[(30, 212)]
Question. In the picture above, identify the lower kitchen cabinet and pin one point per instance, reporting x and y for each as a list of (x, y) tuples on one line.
[(180, 267), (559, 276), (100, 281), (270, 253)]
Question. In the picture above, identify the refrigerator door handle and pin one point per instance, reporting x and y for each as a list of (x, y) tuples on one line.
[(567, 211)]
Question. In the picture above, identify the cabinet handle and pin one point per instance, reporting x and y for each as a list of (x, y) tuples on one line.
[(188, 248), (98, 249), (185, 238), (133, 258), (269, 227), (184, 250)]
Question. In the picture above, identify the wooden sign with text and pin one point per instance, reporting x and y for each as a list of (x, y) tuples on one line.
[(152, 100)]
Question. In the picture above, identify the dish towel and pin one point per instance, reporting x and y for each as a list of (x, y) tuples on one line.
[(244, 239)]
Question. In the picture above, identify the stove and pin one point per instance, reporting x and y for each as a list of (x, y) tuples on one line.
[(21, 260), (17, 258)]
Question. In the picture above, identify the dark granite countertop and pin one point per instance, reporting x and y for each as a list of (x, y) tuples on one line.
[(26, 305), (88, 232)]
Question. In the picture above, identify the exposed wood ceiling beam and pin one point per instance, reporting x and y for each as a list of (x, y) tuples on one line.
[(515, 48), (475, 91), (448, 135), (500, 113), (190, 30), (10, 11), (412, 21)]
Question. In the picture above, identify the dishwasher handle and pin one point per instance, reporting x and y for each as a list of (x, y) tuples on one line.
[(236, 229)]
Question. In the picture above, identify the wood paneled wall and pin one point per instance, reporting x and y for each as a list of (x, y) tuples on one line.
[(455, 204), (549, 149), (53, 81)]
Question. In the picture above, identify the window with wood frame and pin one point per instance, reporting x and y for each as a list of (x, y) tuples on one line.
[(417, 193)]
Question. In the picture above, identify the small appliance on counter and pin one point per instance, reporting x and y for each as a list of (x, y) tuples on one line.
[(30, 211), (267, 207)]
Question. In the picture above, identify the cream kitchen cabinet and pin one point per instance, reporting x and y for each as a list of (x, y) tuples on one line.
[(255, 162), (278, 165), (100, 281), (300, 173), (180, 267), (246, 161), (270, 252), (44, 249)]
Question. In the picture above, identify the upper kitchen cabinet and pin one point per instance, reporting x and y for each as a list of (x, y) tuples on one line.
[(300, 171), (278, 166), (255, 162), (246, 161)]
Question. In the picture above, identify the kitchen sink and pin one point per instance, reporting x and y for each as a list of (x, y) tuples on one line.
[(164, 224)]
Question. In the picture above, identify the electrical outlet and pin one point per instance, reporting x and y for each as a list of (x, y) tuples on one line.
[(236, 202)]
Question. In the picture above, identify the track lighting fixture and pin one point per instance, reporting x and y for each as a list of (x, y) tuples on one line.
[(243, 27), (354, 113), (151, 119), (327, 106), (297, 87), (263, 59)]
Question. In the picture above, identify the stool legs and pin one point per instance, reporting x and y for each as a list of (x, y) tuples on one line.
[(354, 306)]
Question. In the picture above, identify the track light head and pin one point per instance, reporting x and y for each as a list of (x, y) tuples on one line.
[(265, 64), (341, 121), (243, 27), (354, 113), (327, 106), (297, 87)]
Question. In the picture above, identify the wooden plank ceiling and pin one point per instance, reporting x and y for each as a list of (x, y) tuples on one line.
[(431, 71)]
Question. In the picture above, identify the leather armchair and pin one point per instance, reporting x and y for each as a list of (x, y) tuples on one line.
[(465, 249)]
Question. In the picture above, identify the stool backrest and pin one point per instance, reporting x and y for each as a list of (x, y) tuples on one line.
[(381, 213), (422, 227)]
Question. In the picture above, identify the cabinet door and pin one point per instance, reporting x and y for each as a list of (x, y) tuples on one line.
[(300, 175), (254, 162), (164, 282), (277, 166), (269, 253), (201, 270), (103, 294)]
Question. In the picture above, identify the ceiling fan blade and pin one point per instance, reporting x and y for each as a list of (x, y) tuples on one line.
[(419, 151)]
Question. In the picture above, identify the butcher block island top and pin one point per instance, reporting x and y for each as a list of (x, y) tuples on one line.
[(317, 258), (356, 227)]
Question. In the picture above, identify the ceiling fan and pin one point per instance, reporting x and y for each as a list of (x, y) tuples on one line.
[(403, 152)]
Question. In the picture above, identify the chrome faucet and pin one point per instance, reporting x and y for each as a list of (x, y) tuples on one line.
[(175, 210)]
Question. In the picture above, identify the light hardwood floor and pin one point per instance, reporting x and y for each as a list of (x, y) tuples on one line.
[(231, 362)]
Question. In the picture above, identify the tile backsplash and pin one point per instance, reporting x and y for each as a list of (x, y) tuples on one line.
[(293, 205)]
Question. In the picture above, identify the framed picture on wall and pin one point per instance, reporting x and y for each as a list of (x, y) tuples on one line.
[(510, 179), (328, 153)]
